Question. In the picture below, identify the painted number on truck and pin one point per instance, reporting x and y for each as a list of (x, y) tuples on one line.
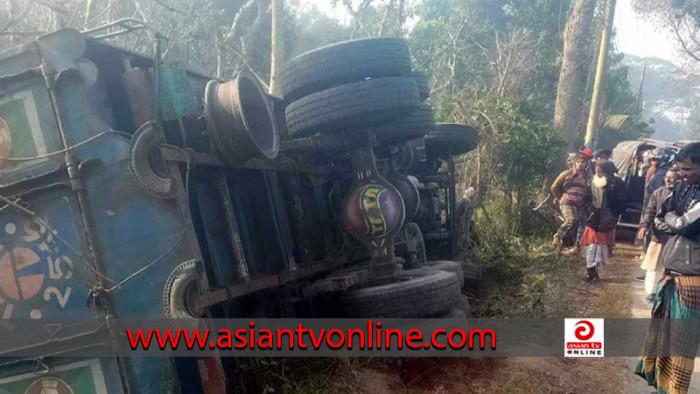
[(30, 267), (61, 298)]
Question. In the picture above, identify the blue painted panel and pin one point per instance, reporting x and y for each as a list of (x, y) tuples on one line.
[(131, 228), (40, 275)]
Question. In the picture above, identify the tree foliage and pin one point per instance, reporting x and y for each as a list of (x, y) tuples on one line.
[(503, 47), (691, 126), (493, 64), (514, 159), (680, 17)]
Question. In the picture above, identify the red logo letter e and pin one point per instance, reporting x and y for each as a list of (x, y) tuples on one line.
[(580, 332)]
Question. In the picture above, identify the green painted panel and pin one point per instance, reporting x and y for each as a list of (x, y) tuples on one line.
[(21, 139), (78, 378)]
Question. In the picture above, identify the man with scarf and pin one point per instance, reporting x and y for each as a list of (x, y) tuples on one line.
[(672, 341), (606, 200)]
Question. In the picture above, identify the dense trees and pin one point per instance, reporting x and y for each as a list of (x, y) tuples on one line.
[(516, 69)]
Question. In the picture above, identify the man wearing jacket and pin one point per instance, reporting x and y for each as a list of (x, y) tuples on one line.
[(569, 190), (670, 349), (652, 263)]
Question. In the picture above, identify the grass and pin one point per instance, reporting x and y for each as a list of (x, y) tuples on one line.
[(612, 303), (526, 278), (308, 375)]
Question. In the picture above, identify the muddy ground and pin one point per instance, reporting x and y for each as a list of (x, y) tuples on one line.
[(617, 295), (614, 296)]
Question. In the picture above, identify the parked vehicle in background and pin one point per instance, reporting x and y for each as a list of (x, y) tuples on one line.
[(134, 188), (628, 157)]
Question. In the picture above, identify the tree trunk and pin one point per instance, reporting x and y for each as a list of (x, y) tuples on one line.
[(572, 77), (277, 48)]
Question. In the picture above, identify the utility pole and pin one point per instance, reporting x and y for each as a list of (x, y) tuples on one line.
[(640, 95), (597, 100)]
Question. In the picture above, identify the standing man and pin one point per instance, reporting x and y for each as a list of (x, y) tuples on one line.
[(661, 161), (654, 157), (602, 154), (652, 264), (669, 351), (607, 200), (569, 189)]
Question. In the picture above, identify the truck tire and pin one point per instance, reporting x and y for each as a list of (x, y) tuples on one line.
[(422, 83), (414, 293), (363, 104), (473, 275), (449, 266), (178, 289), (342, 63), (416, 125), (452, 138), (146, 166)]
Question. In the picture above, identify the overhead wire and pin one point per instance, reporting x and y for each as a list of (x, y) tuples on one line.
[(116, 285)]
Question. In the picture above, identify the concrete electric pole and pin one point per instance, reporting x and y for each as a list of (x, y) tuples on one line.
[(597, 100)]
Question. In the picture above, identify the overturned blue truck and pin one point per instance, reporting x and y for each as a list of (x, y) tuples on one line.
[(132, 188)]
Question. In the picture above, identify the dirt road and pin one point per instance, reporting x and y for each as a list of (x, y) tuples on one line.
[(617, 295)]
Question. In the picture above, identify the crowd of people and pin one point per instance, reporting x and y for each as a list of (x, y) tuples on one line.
[(591, 198)]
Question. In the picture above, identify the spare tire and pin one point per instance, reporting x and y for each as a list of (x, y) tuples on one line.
[(416, 125), (423, 84), (146, 165), (449, 266), (414, 293), (341, 63), (180, 290), (361, 104), (451, 139)]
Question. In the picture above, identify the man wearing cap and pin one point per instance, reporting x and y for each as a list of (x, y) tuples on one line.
[(569, 190), (602, 154)]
